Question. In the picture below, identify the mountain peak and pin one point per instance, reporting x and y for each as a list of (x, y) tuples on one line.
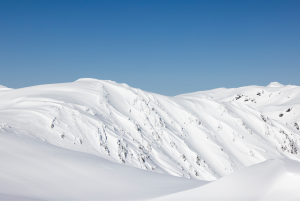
[(275, 84), (4, 87)]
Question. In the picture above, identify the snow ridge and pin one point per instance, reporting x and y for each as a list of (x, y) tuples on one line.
[(203, 135), (275, 84)]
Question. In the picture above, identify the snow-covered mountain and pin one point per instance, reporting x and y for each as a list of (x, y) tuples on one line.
[(204, 135), (275, 179)]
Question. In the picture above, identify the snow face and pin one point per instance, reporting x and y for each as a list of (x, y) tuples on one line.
[(31, 169), (203, 135), (276, 179), (59, 141)]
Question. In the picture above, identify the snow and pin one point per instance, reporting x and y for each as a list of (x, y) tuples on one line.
[(275, 179), (81, 129), (4, 88), (35, 170), (275, 84)]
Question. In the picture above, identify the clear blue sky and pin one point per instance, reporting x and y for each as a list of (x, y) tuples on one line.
[(167, 47)]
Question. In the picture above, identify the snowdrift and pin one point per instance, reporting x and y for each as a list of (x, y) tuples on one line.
[(35, 170), (275, 179)]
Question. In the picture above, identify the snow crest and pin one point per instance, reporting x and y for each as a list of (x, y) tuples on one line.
[(204, 135), (275, 84)]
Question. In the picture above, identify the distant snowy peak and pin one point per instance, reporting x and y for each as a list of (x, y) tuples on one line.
[(275, 84), (4, 88)]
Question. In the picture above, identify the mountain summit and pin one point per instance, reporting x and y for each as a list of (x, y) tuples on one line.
[(275, 84)]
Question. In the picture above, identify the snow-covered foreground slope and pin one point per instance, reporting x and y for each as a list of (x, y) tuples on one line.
[(35, 170), (275, 179), (203, 135)]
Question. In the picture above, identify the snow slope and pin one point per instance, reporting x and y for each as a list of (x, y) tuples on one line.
[(203, 135), (4, 88), (34, 170), (275, 179)]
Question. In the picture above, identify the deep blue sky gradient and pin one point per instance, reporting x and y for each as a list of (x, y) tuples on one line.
[(167, 47)]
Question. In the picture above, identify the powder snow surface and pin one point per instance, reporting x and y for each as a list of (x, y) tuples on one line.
[(276, 179), (63, 141), (35, 170)]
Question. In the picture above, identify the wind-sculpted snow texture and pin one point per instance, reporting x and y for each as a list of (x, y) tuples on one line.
[(275, 179), (34, 170), (203, 135)]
